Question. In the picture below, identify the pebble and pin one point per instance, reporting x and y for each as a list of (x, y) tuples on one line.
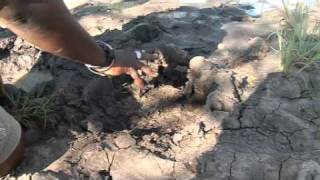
[(124, 140), (177, 137), (92, 126)]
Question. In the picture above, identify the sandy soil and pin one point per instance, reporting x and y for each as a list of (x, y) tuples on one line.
[(219, 109)]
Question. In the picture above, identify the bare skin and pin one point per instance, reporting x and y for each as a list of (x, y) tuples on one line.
[(49, 25)]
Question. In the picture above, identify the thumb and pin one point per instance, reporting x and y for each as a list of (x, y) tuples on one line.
[(136, 78)]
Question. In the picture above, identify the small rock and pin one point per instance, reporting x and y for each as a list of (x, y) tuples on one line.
[(92, 126), (197, 63), (177, 137), (124, 140), (221, 46)]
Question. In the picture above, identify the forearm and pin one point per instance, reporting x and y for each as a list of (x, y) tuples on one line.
[(49, 25)]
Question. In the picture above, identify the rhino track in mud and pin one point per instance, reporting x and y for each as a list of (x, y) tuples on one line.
[(226, 115)]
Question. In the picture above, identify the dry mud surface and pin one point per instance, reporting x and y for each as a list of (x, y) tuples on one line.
[(218, 110)]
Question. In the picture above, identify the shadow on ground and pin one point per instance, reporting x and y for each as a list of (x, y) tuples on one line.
[(272, 135)]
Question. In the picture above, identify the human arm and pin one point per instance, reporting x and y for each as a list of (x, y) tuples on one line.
[(49, 25)]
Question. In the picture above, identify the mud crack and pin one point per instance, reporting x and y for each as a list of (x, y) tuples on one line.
[(231, 166), (236, 90), (281, 167)]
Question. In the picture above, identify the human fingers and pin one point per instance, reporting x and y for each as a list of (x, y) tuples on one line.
[(136, 78)]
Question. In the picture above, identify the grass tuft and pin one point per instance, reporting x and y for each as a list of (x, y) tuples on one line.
[(31, 110), (298, 43)]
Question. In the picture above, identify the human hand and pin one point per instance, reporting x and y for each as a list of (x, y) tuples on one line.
[(127, 62)]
